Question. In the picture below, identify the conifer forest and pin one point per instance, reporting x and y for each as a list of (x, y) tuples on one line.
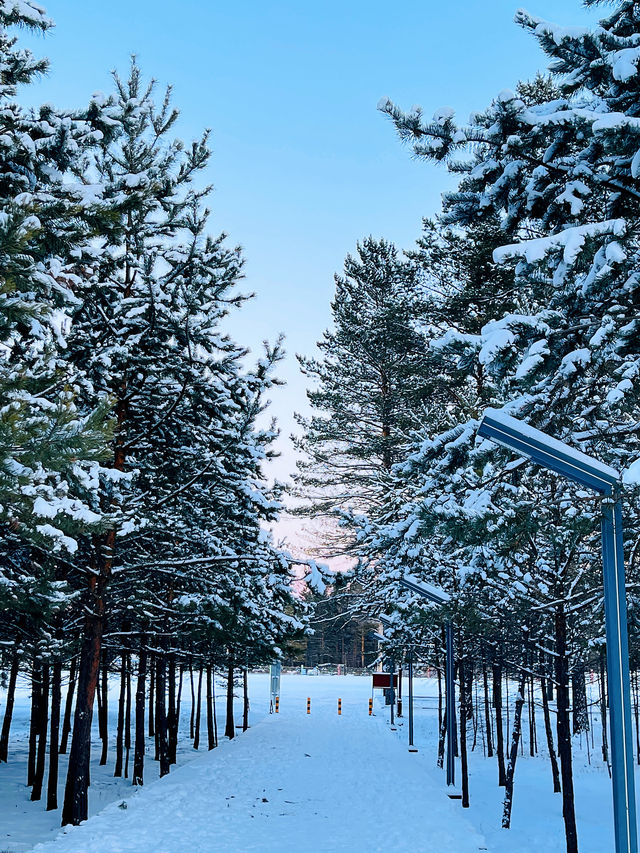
[(143, 577)]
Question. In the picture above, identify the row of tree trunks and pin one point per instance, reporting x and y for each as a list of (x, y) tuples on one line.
[(51, 722)]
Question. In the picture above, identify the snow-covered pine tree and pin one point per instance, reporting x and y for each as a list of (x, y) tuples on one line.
[(561, 175), (367, 387), (147, 333), (50, 449)]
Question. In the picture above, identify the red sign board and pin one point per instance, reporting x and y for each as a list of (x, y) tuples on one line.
[(383, 680)]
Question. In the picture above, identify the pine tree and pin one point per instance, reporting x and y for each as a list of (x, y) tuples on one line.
[(367, 387), (559, 174)]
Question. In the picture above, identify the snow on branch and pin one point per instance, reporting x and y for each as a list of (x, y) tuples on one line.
[(571, 241)]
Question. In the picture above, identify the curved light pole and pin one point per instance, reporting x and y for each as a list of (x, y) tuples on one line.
[(577, 466)]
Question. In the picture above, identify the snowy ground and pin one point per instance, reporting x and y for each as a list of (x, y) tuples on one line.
[(317, 783)]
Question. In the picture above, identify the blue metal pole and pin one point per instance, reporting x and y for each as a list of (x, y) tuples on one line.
[(615, 603), (450, 706)]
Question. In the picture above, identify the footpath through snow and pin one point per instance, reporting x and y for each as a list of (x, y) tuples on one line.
[(293, 782)]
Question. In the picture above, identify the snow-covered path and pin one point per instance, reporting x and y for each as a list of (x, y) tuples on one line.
[(291, 783)]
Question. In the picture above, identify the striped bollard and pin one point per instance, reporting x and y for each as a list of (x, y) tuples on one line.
[(277, 704), (339, 707), (370, 707), (308, 704)]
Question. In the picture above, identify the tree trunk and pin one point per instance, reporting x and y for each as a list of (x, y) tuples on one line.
[(497, 704), (139, 749), (215, 722), (161, 716), (120, 723), (549, 732), (36, 689), (441, 739), (68, 706), (103, 710), (211, 741), (564, 730), (177, 719), (229, 728), (152, 693), (487, 710), (464, 712), (43, 720), (192, 718), (76, 801), (533, 735), (171, 716), (245, 707), (196, 735), (127, 721), (513, 756), (8, 710), (56, 696), (603, 705)]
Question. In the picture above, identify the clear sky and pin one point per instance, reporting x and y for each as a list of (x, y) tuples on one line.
[(303, 165)]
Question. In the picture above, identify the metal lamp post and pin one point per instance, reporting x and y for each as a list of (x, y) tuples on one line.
[(577, 466), (439, 596)]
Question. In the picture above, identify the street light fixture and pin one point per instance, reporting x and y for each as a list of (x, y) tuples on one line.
[(577, 466)]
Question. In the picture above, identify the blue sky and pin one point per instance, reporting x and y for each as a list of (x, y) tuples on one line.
[(303, 163)]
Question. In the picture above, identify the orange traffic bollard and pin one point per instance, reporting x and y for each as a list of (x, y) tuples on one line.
[(370, 707), (308, 704), (339, 707), (277, 704)]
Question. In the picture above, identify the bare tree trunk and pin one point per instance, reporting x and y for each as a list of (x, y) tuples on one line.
[(487, 710), (211, 741), (161, 716), (103, 710), (43, 720), (497, 704), (464, 711), (8, 710), (120, 723), (513, 756), (245, 714), (215, 721), (196, 736), (555, 773), (76, 802), (564, 730), (441, 739), (139, 749), (127, 721), (36, 689), (152, 703), (229, 728), (68, 705), (171, 716), (177, 720), (603, 705), (56, 697), (192, 719)]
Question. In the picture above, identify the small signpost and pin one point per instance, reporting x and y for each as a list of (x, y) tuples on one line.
[(275, 671)]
